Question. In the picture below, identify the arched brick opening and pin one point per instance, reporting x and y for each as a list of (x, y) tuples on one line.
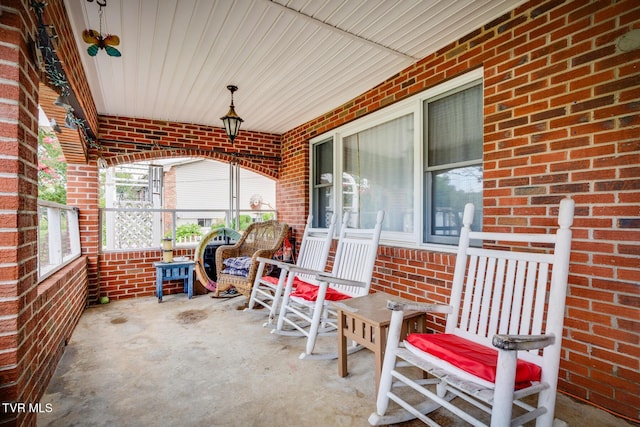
[(127, 140), (167, 154)]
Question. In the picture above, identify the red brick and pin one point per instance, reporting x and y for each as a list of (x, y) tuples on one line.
[(617, 85)]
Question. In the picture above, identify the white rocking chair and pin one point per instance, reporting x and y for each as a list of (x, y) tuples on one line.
[(502, 339), (314, 251), (307, 311)]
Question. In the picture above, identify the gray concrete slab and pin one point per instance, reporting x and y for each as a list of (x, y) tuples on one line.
[(203, 362)]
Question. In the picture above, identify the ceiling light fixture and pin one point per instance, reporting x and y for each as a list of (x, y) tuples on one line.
[(232, 121)]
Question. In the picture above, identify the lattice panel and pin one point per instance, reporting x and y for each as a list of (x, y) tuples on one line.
[(134, 229)]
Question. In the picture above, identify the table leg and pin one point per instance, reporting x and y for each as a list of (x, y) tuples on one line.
[(190, 282), (381, 345), (342, 345), (159, 283)]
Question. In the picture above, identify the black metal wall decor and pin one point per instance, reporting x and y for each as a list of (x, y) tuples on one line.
[(99, 41), (49, 63)]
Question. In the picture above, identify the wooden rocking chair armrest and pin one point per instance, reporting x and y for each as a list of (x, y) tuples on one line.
[(302, 270), (280, 264), (418, 306), (522, 342), (323, 277)]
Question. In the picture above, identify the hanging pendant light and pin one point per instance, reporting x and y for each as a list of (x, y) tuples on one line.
[(231, 121)]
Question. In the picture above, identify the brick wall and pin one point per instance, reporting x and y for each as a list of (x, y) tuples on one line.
[(18, 218), (61, 301), (83, 193), (562, 117), (56, 309), (131, 274)]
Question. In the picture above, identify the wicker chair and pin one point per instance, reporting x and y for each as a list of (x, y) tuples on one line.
[(261, 239)]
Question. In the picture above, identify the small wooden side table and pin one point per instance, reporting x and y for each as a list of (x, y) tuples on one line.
[(174, 271), (365, 320)]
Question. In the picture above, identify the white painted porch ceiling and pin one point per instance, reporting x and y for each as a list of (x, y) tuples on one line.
[(292, 60)]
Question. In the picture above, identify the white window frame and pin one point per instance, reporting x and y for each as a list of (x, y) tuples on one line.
[(412, 105), (312, 183), (53, 246)]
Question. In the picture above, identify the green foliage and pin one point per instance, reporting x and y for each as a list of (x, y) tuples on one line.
[(245, 221), (187, 230), (52, 168)]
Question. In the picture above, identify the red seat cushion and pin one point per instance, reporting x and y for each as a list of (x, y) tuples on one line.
[(274, 281), (309, 292), (270, 279), (471, 357)]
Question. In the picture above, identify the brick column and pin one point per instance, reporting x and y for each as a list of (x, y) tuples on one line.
[(18, 217), (83, 193)]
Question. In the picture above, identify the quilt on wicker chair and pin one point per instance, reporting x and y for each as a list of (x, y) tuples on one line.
[(237, 266)]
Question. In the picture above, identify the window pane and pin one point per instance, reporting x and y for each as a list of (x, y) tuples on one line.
[(454, 127), (322, 192), (453, 164), (43, 238), (65, 234), (323, 163), (378, 175), (323, 202), (452, 189)]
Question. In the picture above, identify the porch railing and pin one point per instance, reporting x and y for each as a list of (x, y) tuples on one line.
[(144, 228), (58, 237)]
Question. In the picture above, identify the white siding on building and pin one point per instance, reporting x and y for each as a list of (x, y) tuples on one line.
[(204, 184)]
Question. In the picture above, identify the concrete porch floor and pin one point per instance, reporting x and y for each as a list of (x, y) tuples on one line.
[(203, 362)]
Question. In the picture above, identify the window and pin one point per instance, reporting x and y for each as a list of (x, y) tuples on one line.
[(453, 163), (378, 174), (58, 237), (205, 222), (420, 160), (322, 185)]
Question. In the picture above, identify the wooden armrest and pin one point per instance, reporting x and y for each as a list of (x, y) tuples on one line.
[(323, 277), (522, 342), (281, 264), (302, 270), (418, 306)]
